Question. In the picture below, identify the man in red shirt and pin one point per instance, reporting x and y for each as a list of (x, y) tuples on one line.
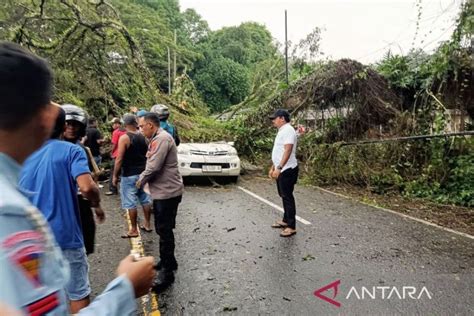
[(118, 131)]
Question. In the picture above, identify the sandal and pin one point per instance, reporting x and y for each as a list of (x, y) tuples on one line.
[(129, 236), (279, 224), (287, 232), (148, 230)]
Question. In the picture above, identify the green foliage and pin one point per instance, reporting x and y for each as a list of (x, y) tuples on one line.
[(246, 44), (229, 66), (194, 26), (438, 169), (223, 83)]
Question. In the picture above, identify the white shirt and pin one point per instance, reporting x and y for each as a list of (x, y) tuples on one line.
[(286, 135)]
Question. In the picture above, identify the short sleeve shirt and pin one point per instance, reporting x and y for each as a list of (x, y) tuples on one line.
[(115, 140), (50, 176), (286, 135)]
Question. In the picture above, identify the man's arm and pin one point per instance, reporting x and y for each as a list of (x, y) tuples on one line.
[(286, 155), (135, 279), (100, 140), (123, 144), (89, 189)]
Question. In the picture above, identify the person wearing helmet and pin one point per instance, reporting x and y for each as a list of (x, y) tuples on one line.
[(53, 173), (76, 123), (164, 113)]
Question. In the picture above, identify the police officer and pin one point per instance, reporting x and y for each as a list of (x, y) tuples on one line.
[(34, 272)]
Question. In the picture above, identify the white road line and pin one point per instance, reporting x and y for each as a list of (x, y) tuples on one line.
[(399, 214), (299, 219)]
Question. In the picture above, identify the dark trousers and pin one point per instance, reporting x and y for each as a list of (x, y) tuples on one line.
[(165, 221), (112, 187), (286, 184)]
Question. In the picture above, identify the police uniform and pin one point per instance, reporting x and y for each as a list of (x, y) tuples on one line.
[(33, 272)]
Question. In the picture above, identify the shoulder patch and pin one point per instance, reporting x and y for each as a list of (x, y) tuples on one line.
[(24, 250)]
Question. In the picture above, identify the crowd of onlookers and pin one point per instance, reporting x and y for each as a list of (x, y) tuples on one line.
[(50, 157)]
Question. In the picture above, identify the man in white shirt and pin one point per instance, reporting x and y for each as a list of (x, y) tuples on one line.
[(285, 169)]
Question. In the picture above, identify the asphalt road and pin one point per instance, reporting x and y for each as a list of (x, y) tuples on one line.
[(232, 262)]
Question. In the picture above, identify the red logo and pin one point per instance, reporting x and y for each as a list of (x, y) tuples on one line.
[(334, 285)]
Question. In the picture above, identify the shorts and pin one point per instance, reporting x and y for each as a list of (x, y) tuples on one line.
[(131, 196), (78, 286)]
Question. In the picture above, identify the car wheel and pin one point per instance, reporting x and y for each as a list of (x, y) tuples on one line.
[(234, 179)]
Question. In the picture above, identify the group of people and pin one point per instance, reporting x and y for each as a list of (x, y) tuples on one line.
[(43, 251), (42, 246), (145, 159)]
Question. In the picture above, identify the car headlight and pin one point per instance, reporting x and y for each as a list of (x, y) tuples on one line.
[(233, 152)]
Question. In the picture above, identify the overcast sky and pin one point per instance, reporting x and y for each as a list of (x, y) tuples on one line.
[(357, 29)]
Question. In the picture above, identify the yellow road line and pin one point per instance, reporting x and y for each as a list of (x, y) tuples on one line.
[(150, 305)]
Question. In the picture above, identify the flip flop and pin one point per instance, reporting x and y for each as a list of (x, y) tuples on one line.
[(286, 233), (279, 225), (146, 230), (128, 236)]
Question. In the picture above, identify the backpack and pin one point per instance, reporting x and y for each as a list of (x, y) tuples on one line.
[(172, 130)]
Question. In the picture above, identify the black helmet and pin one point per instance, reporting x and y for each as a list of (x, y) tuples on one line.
[(162, 111), (75, 113)]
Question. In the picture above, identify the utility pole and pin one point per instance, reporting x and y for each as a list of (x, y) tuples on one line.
[(174, 57), (286, 48), (169, 71)]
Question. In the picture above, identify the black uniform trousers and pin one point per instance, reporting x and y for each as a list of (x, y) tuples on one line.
[(165, 221), (286, 184)]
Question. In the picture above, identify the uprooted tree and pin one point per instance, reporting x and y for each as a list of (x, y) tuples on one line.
[(97, 63)]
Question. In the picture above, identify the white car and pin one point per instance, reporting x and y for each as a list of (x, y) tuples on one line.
[(208, 159)]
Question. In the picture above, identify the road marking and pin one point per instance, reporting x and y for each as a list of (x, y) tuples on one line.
[(299, 219), (149, 301), (399, 214)]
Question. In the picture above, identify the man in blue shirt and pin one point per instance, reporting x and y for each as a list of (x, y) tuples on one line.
[(34, 271), (52, 175)]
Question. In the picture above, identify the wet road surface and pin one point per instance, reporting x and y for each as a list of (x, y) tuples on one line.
[(232, 262)]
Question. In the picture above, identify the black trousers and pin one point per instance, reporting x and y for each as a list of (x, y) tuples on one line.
[(112, 187), (286, 184), (165, 221)]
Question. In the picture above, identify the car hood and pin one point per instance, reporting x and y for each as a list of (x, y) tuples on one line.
[(206, 148)]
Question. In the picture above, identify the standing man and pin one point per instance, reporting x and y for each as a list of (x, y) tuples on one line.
[(285, 169), (131, 162), (34, 272), (118, 131), (76, 124), (164, 113), (53, 174), (166, 188), (94, 140)]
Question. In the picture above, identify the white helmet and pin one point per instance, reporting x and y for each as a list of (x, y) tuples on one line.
[(162, 111)]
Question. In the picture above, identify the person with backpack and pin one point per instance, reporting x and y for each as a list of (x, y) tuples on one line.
[(164, 113)]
